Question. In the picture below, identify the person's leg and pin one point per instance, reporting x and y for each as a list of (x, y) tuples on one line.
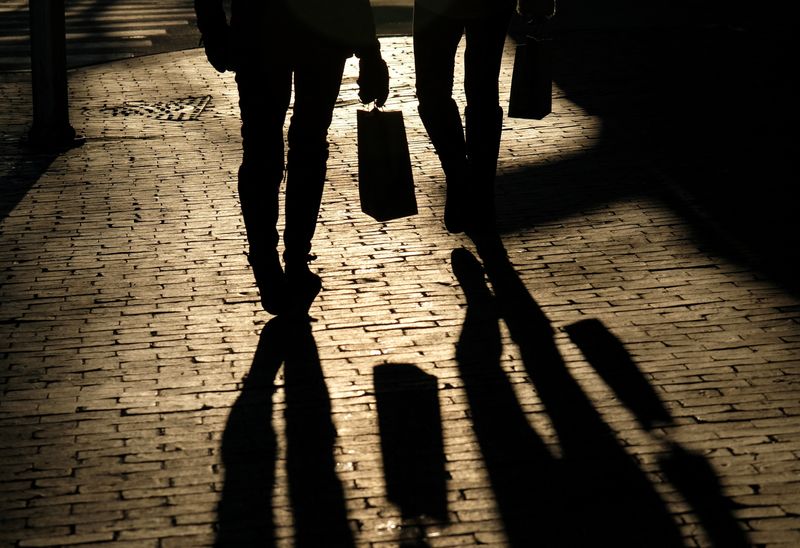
[(264, 93), (436, 39), (483, 115), (317, 79)]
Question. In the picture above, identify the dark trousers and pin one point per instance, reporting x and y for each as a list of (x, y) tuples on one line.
[(265, 89), (467, 160)]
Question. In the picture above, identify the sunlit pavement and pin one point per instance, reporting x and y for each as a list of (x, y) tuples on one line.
[(626, 382)]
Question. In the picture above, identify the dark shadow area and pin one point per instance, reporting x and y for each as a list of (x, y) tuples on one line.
[(597, 481), (21, 165), (23, 172), (525, 477), (101, 16), (579, 497), (699, 485), (89, 24), (412, 447), (315, 492), (697, 110), (249, 448), (607, 355), (690, 473)]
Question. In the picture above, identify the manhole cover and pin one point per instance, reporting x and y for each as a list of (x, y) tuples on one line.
[(178, 110)]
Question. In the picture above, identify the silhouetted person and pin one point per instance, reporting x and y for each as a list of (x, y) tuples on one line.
[(469, 162), (271, 45)]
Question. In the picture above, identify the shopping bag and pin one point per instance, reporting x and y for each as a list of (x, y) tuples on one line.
[(385, 181), (531, 81)]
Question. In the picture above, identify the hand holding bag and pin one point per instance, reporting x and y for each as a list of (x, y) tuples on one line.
[(385, 180)]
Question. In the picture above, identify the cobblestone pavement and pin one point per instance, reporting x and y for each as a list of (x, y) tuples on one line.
[(629, 378)]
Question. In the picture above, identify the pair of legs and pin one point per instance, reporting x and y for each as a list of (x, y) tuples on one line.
[(265, 88), (468, 158)]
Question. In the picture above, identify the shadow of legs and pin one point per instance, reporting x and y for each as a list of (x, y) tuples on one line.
[(606, 354), (600, 480), (317, 497), (249, 451), (524, 475)]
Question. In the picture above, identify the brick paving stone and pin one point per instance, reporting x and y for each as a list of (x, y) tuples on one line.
[(130, 322)]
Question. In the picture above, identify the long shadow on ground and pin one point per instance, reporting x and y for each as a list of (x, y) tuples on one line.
[(575, 498), (249, 448)]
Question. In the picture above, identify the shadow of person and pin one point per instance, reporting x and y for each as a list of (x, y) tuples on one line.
[(598, 480), (607, 355), (690, 473), (249, 447), (524, 475), (244, 514), (315, 492), (699, 485), (412, 447)]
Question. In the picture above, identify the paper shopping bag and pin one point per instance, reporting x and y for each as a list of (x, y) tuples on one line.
[(385, 181), (531, 81)]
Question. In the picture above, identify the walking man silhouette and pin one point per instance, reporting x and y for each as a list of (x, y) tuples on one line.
[(468, 153), (272, 46)]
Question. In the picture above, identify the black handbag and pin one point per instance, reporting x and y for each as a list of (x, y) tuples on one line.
[(531, 82), (385, 180)]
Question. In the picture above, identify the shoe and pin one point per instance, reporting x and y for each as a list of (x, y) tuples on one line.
[(302, 286), (271, 282)]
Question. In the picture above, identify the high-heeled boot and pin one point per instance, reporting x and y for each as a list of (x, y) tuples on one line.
[(258, 194), (483, 133), (442, 121)]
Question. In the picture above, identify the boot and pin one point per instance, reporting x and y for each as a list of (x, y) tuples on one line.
[(270, 281), (483, 133), (443, 124), (456, 203), (302, 285), (304, 188), (259, 185)]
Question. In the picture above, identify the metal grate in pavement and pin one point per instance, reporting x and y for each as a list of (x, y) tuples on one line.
[(177, 110)]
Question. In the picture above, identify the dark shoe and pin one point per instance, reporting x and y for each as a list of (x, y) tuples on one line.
[(270, 281), (303, 286)]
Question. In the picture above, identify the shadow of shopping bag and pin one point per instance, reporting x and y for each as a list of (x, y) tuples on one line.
[(531, 82), (385, 181)]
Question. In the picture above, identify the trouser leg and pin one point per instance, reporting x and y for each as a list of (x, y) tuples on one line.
[(264, 94), (483, 115), (317, 82), (436, 39)]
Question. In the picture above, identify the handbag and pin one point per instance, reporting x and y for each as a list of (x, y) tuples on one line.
[(385, 181), (531, 81)]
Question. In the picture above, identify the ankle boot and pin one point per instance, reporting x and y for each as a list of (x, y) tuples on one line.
[(270, 281), (302, 285)]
